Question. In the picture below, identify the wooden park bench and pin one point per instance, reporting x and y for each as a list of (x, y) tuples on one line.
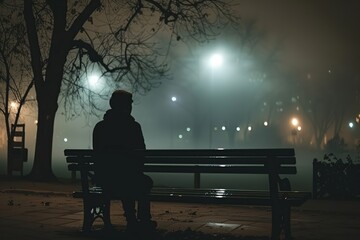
[(270, 162)]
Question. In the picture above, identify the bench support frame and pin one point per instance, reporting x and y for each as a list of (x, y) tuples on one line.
[(96, 204)]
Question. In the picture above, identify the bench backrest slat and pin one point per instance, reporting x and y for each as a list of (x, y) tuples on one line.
[(216, 169), (198, 160), (199, 156), (216, 160), (221, 152), (285, 152), (199, 169)]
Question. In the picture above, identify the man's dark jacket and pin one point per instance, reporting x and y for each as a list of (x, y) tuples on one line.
[(118, 132)]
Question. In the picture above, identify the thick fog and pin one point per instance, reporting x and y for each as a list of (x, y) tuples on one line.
[(232, 93)]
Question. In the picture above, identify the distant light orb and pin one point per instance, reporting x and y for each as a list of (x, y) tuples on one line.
[(65, 139), (238, 129), (36, 122), (299, 128), (223, 128), (249, 128), (216, 60), (351, 124), (14, 105), (180, 136), (188, 129), (266, 123), (173, 99)]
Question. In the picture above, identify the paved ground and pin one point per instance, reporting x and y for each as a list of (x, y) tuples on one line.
[(47, 211)]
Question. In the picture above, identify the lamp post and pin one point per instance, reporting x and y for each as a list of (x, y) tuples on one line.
[(173, 100), (94, 84), (295, 129), (216, 61)]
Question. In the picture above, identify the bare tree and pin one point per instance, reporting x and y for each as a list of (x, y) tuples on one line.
[(328, 99), (66, 38), (15, 79)]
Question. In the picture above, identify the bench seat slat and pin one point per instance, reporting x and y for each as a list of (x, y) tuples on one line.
[(246, 200), (224, 196), (228, 192)]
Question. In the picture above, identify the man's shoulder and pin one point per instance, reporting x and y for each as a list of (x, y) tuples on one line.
[(137, 123), (99, 125)]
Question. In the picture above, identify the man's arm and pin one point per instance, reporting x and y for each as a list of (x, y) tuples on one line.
[(139, 144), (98, 143)]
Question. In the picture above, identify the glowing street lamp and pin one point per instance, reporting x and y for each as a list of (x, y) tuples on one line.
[(216, 60), (14, 105), (295, 128), (295, 122), (93, 80)]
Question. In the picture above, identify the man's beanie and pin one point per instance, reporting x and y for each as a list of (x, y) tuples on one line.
[(120, 98)]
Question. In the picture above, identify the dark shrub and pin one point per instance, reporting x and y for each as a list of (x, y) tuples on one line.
[(335, 178)]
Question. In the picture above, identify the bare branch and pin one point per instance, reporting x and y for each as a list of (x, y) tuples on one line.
[(82, 18), (34, 44)]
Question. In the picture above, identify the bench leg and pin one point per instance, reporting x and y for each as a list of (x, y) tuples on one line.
[(276, 222), (287, 221), (281, 222), (88, 218), (106, 215), (95, 210)]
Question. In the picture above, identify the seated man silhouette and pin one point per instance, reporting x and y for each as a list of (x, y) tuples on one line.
[(123, 176)]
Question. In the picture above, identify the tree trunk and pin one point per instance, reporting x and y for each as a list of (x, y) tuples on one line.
[(42, 167), (47, 97)]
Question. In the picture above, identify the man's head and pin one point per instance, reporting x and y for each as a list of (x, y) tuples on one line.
[(121, 100)]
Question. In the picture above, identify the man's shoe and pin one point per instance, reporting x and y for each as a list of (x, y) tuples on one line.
[(132, 226), (148, 226)]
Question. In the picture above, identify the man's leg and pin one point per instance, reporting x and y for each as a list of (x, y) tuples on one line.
[(130, 213), (144, 213)]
